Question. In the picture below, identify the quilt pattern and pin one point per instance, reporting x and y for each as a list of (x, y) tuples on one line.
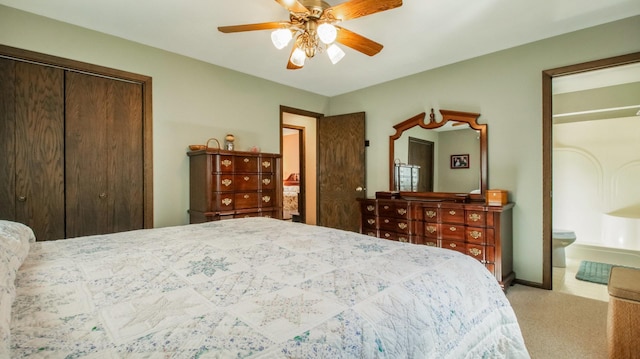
[(256, 288)]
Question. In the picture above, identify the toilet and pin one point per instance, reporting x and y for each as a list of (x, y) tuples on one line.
[(560, 239)]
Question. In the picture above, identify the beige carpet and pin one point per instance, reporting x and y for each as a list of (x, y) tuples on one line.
[(558, 325)]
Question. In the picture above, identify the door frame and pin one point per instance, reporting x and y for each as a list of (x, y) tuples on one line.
[(303, 165), (547, 147)]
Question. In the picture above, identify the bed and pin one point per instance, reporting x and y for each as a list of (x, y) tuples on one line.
[(247, 288), (291, 192)]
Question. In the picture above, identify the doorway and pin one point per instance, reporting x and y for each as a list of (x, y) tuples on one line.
[(421, 154), (548, 156), (293, 168)]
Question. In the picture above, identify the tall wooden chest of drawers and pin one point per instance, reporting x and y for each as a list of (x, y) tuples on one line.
[(231, 184), (475, 229)]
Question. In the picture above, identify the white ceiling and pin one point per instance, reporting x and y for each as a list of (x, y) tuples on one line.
[(418, 36)]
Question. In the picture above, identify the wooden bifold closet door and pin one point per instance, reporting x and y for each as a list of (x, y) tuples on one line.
[(103, 139), (75, 146)]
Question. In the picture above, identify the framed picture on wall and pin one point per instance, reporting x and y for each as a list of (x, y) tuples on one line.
[(460, 161)]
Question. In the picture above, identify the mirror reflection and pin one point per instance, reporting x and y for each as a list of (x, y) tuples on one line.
[(439, 156)]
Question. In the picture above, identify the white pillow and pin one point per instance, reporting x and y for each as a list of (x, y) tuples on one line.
[(14, 247)]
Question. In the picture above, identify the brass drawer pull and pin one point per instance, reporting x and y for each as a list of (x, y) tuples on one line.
[(404, 240), (227, 201), (402, 225), (431, 229), (475, 217), (246, 178), (475, 252), (266, 199), (452, 212), (226, 163), (246, 160), (370, 208), (475, 234), (371, 221), (386, 220), (452, 229), (246, 196), (430, 214), (227, 182), (266, 181), (452, 245), (402, 211), (266, 164), (385, 207), (387, 235)]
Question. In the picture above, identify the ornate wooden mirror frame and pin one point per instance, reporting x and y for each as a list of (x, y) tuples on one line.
[(447, 115)]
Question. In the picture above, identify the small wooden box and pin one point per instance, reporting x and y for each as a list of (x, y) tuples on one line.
[(497, 197)]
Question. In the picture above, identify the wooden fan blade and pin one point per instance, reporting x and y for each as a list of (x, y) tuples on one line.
[(291, 65), (358, 8), (357, 42), (253, 27), (293, 6)]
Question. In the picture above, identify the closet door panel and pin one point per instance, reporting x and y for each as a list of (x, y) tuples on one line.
[(125, 156), (87, 118), (39, 131), (7, 140)]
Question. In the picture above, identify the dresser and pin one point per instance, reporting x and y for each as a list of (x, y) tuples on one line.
[(475, 229), (234, 184)]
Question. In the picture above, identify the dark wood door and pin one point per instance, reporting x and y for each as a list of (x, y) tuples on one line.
[(32, 135), (341, 170), (421, 154), (104, 169)]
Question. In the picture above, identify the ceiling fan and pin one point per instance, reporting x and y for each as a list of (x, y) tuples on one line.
[(312, 24)]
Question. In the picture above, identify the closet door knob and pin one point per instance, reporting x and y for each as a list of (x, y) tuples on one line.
[(22, 199), (102, 195)]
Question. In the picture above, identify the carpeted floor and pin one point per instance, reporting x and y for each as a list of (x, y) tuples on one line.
[(558, 325)]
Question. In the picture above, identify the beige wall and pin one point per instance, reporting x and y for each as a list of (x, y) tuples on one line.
[(193, 100), (506, 89)]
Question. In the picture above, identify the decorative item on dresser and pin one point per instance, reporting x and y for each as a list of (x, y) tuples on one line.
[(230, 184), (480, 231)]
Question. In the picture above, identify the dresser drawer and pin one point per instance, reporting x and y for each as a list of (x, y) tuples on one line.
[(452, 231), (222, 163), (267, 198), (393, 224), (452, 215), (246, 200), (247, 182), (454, 245), (476, 218), (368, 208), (223, 182), (246, 164), (390, 235), (393, 210), (267, 165), (431, 230), (369, 222), (267, 181)]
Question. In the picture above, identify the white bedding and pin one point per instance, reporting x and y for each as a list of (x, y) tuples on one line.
[(256, 288)]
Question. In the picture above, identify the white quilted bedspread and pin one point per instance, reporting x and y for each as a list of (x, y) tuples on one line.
[(256, 288)]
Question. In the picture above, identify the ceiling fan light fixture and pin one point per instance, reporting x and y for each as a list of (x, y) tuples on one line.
[(327, 33), (335, 53), (297, 57), (281, 38)]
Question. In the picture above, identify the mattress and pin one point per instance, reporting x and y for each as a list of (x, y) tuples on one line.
[(249, 288)]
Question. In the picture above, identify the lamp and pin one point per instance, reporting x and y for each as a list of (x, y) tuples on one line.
[(311, 38), (281, 38)]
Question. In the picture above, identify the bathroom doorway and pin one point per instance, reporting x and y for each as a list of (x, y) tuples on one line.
[(581, 166)]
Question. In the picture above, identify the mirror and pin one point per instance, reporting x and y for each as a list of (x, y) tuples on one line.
[(439, 159)]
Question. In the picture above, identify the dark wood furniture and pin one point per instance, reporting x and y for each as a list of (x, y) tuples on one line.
[(75, 146), (231, 184), (475, 229)]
